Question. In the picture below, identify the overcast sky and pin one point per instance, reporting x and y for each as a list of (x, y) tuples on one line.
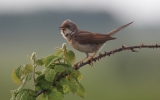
[(143, 11)]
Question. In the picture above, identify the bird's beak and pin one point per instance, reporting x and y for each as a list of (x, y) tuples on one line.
[(61, 28)]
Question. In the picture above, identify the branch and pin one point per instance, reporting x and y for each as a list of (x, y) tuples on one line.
[(132, 48)]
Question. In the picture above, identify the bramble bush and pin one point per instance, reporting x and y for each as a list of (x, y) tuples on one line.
[(57, 78)]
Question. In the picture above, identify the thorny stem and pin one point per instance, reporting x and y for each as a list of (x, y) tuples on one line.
[(132, 48)]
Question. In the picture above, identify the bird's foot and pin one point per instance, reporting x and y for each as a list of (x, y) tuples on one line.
[(77, 65), (90, 61)]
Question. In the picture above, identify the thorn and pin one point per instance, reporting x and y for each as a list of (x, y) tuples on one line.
[(153, 46), (124, 47), (156, 45), (142, 45), (105, 52), (109, 54), (100, 55), (133, 50), (112, 52)]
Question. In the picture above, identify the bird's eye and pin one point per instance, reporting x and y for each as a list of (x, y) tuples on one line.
[(67, 26)]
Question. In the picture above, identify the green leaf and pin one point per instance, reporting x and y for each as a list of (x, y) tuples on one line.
[(76, 75), (65, 85), (59, 51), (69, 57), (13, 97), (38, 72), (22, 95), (15, 77), (73, 85), (32, 93), (16, 91), (31, 98), (39, 62), (26, 94), (55, 95), (49, 74), (59, 68), (28, 68), (49, 60), (21, 71), (45, 84), (42, 83), (42, 97), (26, 78), (81, 91)]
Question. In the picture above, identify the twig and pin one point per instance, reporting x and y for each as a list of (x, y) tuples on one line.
[(132, 48)]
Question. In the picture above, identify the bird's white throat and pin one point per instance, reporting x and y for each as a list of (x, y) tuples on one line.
[(66, 32)]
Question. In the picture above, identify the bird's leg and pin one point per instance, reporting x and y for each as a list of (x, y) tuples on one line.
[(90, 59), (87, 55)]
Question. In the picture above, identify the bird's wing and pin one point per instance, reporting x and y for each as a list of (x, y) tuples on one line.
[(85, 37)]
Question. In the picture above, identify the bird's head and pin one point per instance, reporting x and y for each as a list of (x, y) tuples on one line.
[(68, 28)]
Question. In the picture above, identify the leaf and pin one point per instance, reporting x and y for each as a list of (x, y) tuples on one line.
[(38, 72), (59, 68), (45, 84), (73, 85), (22, 95), (76, 75), (42, 97), (49, 74), (16, 91), (32, 93), (55, 95), (15, 77), (39, 62), (69, 57), (13, 97), (26, 78), (28, 68), (42, 83), (59, 51), (21, 71), (65, 85), (25, 94), (49, 60), (81, 91)]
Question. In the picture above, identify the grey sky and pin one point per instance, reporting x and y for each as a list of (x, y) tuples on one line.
[(142, 11)]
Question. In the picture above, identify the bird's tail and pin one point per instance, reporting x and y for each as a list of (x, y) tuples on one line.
[(111, 33)]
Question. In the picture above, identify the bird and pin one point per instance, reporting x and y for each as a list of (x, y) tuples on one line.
[(86, 41)]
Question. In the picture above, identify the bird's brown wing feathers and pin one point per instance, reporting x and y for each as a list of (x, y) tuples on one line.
[(84, 37)]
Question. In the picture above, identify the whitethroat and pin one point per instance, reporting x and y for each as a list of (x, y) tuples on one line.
[(85, 41)]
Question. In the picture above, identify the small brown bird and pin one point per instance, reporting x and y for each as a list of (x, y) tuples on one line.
[(84, 41)]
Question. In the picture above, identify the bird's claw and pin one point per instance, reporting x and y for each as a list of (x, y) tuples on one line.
[(90, 61)]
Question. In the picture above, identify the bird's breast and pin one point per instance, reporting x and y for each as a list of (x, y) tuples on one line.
[(87, 48)]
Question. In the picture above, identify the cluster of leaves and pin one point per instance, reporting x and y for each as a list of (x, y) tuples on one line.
[(56, 79)]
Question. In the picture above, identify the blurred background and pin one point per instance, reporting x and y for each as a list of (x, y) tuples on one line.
[(28, 26)]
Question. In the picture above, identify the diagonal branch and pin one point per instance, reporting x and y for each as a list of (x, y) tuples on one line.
[(132, 48)]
